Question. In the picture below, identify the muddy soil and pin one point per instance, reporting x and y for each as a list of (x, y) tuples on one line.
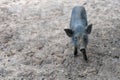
[(34, 46)]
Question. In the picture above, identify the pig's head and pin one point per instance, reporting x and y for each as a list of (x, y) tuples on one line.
[(79, 36)]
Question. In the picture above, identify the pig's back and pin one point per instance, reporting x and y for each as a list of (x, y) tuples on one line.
[(78, 17)]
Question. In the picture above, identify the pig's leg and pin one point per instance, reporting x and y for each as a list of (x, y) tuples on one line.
[(75, 51), (84, 54)]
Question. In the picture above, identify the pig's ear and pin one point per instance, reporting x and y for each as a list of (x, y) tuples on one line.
[(89, 29), (69, 32)]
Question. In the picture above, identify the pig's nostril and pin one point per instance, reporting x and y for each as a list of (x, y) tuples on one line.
[(82, 50)]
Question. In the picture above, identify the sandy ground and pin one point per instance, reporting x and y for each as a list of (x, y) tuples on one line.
[(34, 46)]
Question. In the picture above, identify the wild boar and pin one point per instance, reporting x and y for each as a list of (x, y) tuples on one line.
[(79, 30)]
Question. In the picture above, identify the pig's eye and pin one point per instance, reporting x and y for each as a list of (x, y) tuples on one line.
[(79, 37), (75, 38), (85, 39)]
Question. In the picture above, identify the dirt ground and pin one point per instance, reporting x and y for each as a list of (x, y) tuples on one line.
[(34, 46)]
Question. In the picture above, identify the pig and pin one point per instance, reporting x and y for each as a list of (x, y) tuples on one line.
[(79, 30)]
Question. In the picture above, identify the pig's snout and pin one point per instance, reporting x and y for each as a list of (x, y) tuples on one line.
[(84, 54)]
